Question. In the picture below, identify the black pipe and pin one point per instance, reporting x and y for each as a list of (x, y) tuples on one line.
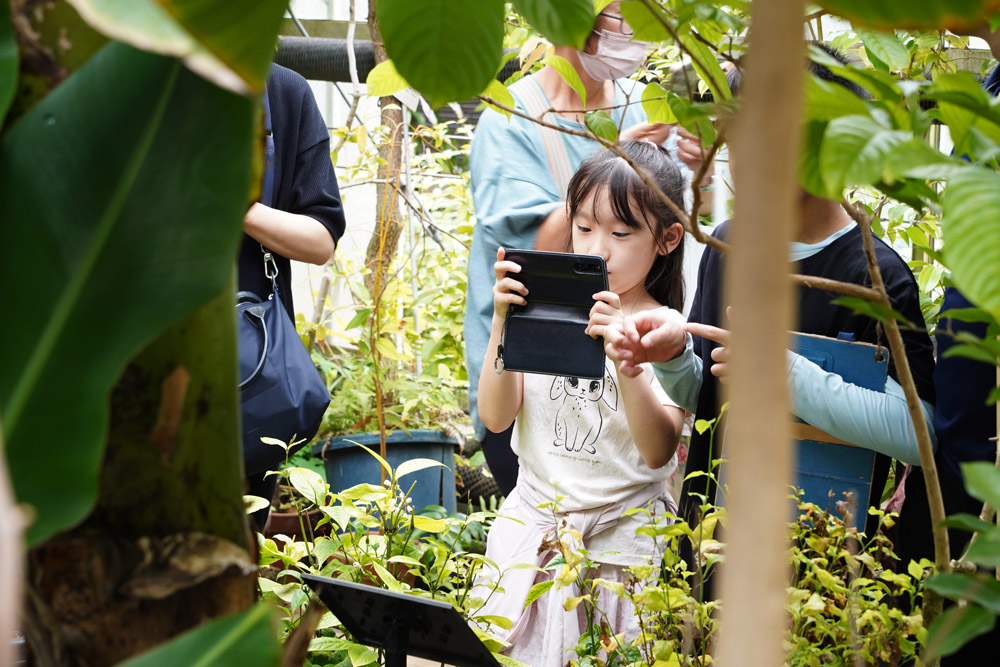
[(325, 59)]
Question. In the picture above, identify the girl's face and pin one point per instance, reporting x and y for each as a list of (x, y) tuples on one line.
[(628, 252)]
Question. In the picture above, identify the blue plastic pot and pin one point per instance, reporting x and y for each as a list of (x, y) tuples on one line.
[(347, 464)]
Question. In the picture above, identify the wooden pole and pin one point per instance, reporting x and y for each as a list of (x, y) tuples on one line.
[(765, 151)]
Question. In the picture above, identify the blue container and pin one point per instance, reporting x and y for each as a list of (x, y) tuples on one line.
[(347, 464)]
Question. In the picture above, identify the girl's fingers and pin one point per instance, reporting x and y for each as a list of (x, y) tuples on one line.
[(511, 285), (610, 298), (502, 268)]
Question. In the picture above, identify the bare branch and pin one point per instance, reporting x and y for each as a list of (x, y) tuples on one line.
[(942, 556)]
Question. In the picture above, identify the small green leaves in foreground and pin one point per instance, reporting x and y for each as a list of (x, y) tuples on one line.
[(600, 123), (446, 49), (247, 638), (656, 106), (383, 81)]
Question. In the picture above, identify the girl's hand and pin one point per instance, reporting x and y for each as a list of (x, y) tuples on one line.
[(506, 290), (607, 310)]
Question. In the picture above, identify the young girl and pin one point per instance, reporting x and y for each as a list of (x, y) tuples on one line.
[(614, 215)]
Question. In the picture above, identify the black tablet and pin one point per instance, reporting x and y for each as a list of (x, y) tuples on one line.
[(548, 334)]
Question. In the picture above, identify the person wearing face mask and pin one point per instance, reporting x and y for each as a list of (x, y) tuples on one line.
[(520, 171)]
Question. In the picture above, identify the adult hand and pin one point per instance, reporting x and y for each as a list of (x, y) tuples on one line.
[(506, 290), (720, 355), (649, 336), (655, 133)]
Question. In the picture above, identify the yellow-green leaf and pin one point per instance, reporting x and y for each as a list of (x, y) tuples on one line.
[(384, 80), (569, 75), (498, 92)]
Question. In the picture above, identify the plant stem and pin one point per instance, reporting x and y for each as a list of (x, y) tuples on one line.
[(933, 602)]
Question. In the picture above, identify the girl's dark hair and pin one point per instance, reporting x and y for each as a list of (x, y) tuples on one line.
[(606, 172)]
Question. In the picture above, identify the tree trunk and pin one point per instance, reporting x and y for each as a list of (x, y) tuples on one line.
[(758, 437), (388, 225), (168, 545)]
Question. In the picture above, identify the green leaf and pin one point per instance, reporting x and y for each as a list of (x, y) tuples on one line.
[(966, 109), (656, 106), (537, 591), (825, 100), (915, 158), (329, 645), (957, 626), (645, 21), (853, 152), (361, 655), (501, 621), (810, 175), (569, 75), (707, 66), (384, 81), (8, 62), (971, 232), (387, 579), (247, 638), (877, 311), (967, 522), (360, 317), (229, 43), (416, 465), (982, 590), (957, 15), (385, 464), (122, 203), (985, 550), (886, 48), (982, 480), (563, 22), (446, 49), (255, 503), (600, 123), (429, 525), (497, 91), (310, 484)]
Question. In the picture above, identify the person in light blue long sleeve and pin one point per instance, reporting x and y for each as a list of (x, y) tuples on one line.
[(518, 201), (828, 245)]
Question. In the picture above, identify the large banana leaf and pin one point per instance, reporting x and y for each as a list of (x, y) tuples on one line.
[(229, 43), (8, 62), (921, 14), (121, 195), (247, 639)]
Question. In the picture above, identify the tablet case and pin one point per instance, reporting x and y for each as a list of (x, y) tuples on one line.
[(547, 335), (826, 468)]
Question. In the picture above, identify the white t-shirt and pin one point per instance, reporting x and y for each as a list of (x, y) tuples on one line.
[(573, 440)]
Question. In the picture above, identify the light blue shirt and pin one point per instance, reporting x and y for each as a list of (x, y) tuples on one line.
[(876, 420), (513, 191)]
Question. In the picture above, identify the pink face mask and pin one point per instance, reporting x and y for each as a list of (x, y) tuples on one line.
[(617, 57)]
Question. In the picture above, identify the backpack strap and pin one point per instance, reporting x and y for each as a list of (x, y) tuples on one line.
[(532, 97), (267, 187)]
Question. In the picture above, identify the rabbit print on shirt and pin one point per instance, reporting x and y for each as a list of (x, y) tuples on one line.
[(582, 399)]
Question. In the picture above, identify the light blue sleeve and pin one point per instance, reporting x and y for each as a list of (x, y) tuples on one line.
[(681, 377), (872, 419), (512, 186)]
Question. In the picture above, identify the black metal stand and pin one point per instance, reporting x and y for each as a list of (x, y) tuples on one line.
[(401, 624), (397, 636)]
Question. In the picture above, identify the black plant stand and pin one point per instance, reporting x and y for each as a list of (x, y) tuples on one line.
[(402, 625)]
